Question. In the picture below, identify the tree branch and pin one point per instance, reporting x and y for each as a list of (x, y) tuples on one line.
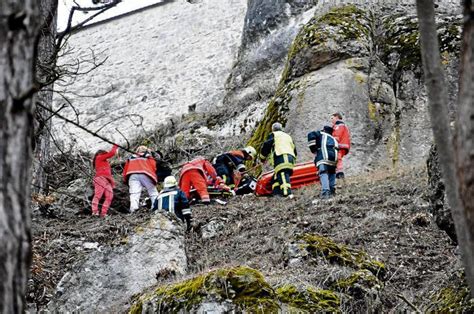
[(84, 128)]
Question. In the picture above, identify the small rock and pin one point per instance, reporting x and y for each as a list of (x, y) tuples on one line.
[(91, 245)]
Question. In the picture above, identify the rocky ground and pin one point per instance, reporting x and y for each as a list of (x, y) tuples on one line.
[(382, 213)]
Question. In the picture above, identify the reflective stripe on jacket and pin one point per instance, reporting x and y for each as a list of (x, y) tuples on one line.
[(280, 143), (285, 161), (342, 135), (324, 146), (144, 164), (174, 201), (283, 144), (203, 166)]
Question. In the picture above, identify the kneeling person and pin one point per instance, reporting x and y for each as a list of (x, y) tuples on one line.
[(227, 163), (173, 200)]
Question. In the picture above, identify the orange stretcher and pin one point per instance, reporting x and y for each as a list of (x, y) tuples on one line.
[(303, 174)]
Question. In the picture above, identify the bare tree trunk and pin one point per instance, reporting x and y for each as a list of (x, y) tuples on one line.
[(45, 71), (438, 107), (464, 136), (19, 22)]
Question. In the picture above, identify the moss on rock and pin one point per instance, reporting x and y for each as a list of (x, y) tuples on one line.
[(402, 38), (244, 286), (452, 299), (308, 299), (340, 24), (318, 245), (275, 112)]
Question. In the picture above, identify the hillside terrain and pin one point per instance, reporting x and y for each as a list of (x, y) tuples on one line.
[(203, 79), (381, 213)]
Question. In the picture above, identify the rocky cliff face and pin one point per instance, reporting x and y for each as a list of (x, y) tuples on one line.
[(365, 64)]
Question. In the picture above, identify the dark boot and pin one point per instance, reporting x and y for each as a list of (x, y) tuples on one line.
[(325, 195), (333, 191)]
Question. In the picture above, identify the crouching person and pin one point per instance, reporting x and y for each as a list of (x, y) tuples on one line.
[(227, 163), (173, 200), (140, 172), (324, 146), (198, 174)]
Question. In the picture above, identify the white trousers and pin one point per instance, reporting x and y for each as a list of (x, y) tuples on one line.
[(136, 182)]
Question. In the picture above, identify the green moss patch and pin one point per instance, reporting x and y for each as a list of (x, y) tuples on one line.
[(340, 24), (454, 299), (318, 245), (402, 37), (308, 299), (244, 286)]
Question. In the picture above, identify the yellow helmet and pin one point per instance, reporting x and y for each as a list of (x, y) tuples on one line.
[(169, 182), (251, 151)]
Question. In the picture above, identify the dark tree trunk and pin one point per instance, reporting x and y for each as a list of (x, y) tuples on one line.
[(438, 107), (19, 22), (464, 136), (44, 72)]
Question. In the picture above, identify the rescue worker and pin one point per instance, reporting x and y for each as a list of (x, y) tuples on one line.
[(173, 200), (284, 157), (324, 146), (199, 173), (343, 136), (140, 172), (103, 181), (225, 164)]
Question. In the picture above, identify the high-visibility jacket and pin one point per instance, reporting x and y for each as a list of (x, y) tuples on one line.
[(280, 143), (342, 135), (140, 163), (284, 150), (324, 146), (203, 166)]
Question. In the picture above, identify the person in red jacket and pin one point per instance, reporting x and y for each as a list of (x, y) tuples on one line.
[(103, 181), (198, 173), (343, 136), (140, 172)]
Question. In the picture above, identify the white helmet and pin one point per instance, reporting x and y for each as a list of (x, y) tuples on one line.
[(169, 182), (251, 151)]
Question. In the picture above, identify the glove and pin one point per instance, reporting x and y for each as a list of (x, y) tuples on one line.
[(188, 219)]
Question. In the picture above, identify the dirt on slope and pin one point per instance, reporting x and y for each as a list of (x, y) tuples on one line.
[(382, 213)]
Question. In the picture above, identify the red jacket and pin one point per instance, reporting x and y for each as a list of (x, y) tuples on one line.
[(204, 166), (144, 164), (342, 135), (102, 165)]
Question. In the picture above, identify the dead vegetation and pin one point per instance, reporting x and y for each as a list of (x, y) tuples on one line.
[(383, 214)]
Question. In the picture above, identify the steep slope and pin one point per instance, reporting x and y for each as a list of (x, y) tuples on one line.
[(295, 242)]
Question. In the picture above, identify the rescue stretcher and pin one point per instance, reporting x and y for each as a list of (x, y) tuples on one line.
[(303, 174)]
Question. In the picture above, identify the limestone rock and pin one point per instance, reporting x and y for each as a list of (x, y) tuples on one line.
[(111, 275)]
